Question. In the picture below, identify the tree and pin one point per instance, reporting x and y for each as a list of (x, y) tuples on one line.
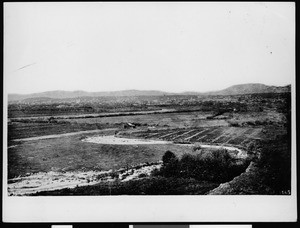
[(169, 157), (170, 164)]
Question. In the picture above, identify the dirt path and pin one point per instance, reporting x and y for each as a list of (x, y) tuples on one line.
[(63, 135)]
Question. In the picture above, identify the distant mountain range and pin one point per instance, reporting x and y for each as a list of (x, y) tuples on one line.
[(233, 90), (60, 94)]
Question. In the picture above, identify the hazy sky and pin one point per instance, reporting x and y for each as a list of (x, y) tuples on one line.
[(162, 46)]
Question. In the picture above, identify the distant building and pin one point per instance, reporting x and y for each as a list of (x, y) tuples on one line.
[(129, 125)]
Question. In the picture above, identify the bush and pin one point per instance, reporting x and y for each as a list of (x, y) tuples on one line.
[(234, 124)]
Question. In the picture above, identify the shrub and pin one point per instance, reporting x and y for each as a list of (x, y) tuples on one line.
[(142, 175), (197, 147)]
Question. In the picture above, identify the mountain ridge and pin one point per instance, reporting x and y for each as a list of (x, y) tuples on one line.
[(248, 88)]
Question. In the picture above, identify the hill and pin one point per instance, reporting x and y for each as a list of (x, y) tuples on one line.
[(251, 88)]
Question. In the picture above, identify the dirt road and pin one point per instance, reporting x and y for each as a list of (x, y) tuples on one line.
[(64, 135)]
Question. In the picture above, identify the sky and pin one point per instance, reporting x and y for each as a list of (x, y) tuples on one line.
[(172, 47)]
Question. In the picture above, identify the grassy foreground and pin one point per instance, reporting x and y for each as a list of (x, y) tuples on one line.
[(202, 173)]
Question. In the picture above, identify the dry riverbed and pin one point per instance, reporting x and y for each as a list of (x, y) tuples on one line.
[(47, 181)]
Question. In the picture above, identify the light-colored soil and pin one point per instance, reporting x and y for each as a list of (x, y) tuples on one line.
[(112, 140)]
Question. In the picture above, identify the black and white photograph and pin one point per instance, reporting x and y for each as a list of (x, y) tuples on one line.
[(149, 101)]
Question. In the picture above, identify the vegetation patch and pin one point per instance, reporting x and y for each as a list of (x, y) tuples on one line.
[(191, 174)]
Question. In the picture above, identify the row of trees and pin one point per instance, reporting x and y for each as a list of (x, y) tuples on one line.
[(213, 165)]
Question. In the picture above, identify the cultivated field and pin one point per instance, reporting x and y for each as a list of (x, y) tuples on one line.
[(238, 136)]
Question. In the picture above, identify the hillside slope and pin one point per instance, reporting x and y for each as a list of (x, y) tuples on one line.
[(251, 88)]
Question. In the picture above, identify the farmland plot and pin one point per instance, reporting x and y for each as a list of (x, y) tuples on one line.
[(172, 120), (217, 135)]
